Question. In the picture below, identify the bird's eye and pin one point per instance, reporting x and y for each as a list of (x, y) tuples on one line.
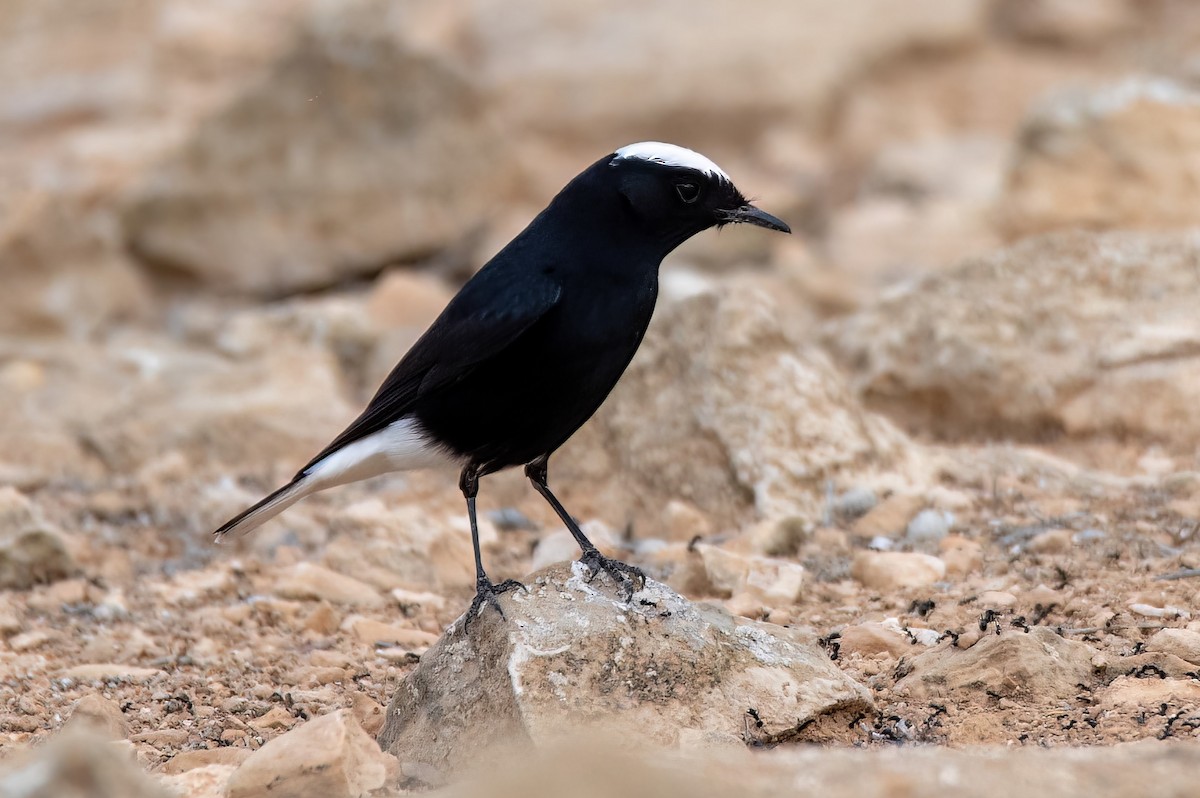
[(688, 192)]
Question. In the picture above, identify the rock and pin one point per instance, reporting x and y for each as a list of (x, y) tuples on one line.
[(723, 406), (77, 764), (854, 503), (1035, 667), (209, 781), (568, 654), (1052, 541), (228, 756), (307, 581), (560, 546), (371, 631), (807, 52), (276, 192), (869, 639), (64, 268), (896, 570), (996, 599), (330, 756), (410, 600), (402, 299), (1183, 643), (367, 712), (1130, 692), (1064, 21), (923, 207), (31, 550), (32, 640), (110, 671), (323, 620), (683, 522), (1125, 156), (929, 528), (888, 518), (215, 409), (961, 556), (973, 351), (389, 546), (771, 581), (101, 715)]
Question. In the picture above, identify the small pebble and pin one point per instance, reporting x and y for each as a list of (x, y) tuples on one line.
[(854, 503), (929, 527)]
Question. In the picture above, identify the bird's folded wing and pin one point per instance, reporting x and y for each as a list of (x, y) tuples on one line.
[(481, 321)]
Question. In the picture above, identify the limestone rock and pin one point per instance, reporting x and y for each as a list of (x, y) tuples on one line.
[(1124, 156), (78, 764), (100, 714), (890, 517), (1064, 21), (770, 580), (895, 570), (571, 655), (806, 51), (1131, 692), (725, 406), (1037, 666), (356, 150), (102, 671), (227, 757), (31, 550), (208, 781), (1183, 643), (1085, 333), (330, 756), (869, 639), (315, 583)]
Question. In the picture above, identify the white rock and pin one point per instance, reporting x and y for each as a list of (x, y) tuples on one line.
[(571, 654)]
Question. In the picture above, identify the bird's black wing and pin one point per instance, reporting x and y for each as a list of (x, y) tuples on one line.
[(488, 314)]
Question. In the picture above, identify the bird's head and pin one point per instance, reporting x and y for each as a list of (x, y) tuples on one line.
[(679, 193)]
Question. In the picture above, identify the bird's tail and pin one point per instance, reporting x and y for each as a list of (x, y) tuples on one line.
[(254, 517)]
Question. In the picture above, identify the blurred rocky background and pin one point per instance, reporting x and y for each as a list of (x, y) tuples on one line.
[(948, 429)]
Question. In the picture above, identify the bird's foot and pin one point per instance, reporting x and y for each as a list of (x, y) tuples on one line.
[(623, 574), (486, 593)]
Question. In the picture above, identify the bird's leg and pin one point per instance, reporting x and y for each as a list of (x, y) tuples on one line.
[(623, 574), (485, 591)]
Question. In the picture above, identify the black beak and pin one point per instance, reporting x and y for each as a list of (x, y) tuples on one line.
[(748, 214)]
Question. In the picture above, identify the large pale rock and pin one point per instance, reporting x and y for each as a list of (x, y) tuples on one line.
[(1065, 21), (330, 756), (726, 406), (569, 655), (1125, 156), (896, 570), (353, 152), (81, 117), (1076, 332), (606, 67), (1033, 666), (218, 410), (31, 550), (100, 714), (77, 764)]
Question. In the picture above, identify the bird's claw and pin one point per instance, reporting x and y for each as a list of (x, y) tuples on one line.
[(622, 573), (486, 593)]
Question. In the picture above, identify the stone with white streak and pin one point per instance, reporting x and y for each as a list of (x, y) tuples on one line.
[(568, 653)]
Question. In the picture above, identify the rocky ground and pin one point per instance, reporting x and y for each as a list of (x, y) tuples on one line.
[(942, 442)]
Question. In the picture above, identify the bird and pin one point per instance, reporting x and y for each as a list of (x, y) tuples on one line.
[(532, 344)]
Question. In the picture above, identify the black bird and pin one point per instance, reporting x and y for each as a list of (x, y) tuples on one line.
[(530, 347)]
